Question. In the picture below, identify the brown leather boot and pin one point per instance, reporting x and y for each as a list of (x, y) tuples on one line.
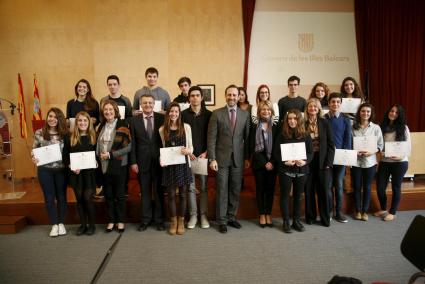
[(180, 226), (173, 226)]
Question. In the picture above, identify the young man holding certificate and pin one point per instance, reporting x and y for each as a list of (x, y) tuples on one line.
[(198, 118), (144, 161), (342, 137)]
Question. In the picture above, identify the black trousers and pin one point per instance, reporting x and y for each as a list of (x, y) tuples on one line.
[(317, 183), (114, 190), (265, 182), (152, 197), (285, 187)]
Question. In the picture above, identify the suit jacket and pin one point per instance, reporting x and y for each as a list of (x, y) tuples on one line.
[(222, 142), (259, 160), (327, 146), (145, 151)]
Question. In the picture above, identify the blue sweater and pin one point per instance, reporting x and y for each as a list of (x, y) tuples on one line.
[(341, 129)]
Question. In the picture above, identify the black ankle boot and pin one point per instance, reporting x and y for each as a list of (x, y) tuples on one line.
[(286, 227), (297, 226), (90, 230), (82, 229)]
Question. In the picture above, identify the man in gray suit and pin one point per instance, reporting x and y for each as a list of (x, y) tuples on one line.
[(228, 132)]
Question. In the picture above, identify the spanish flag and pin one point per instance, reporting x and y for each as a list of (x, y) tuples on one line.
[(21, 109)]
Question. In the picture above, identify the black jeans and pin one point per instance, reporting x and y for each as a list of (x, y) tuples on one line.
[(397, 170), (285, 187), (53, 184), (114, 190), (265, 182), (362, 178)]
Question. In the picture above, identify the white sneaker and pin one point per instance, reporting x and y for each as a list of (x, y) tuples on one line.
[(55, 231), (192, 222), (204, 222), (62, 230)]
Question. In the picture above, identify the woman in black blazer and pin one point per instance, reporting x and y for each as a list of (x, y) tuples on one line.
[(292, 172), (323, 155), (262, 135)]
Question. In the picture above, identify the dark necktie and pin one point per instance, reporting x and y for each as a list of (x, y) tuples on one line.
[(233, 119), (149, 126)]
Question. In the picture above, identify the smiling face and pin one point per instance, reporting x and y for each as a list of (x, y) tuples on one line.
[(242, 97), (265, 112), (82, 89), (264, 94), (109, 112), (83, 123), (319, 92), (393, 114), (334, 104), (232, 96), (174, 114), (292, 120), (113, 86), (349, 87), (147, 104), (312, 109), (52, 120), (365, 113), (152, 79)]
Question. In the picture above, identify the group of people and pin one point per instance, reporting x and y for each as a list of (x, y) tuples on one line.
[(128, 136)]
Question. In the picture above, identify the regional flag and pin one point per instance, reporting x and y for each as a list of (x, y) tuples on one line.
[(21, 109), (37, 108)]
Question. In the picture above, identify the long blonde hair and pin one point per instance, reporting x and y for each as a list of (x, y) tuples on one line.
[(318, 105), (75, 135)]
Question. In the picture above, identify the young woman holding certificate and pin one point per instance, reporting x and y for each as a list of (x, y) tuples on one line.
[(394, 129), (175, 133), (362, 175), (292, 171), (262, 135), (83, 181), (52, 176), (320, 167), (113, 145), (351, 89)]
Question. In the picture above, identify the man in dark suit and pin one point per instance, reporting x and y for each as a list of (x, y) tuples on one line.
[(228, 148), (144, 161)]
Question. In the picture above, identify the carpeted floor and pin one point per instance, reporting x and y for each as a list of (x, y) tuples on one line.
[(369, 251)]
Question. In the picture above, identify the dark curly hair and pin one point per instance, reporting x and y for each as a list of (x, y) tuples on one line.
[(398, 125)]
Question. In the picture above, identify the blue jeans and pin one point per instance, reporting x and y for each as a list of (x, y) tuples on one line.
[(192, 195), (337, 184), (397, 170), (53, 184), (362, 178)]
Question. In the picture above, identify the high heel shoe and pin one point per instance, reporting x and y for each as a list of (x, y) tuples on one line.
[(109, 227), (269, 221), (121, 228), (262, 221)]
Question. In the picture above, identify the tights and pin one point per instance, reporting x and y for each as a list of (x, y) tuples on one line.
[(172, 200), (85, 204)]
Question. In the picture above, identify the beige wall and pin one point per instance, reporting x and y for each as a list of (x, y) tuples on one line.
[(64, 41)]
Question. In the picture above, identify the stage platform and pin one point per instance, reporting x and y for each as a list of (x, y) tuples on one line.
[(31, 205)]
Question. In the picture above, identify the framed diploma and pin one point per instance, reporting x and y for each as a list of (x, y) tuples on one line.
[(293, 151), (83, 160), (365, 143), (345, 157), (350, 105), (199, 166), (47, 154), (171, 156), (397, 149), (121, 109)]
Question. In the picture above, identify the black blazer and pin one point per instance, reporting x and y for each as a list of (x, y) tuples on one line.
[(327, 146), (145, 151), (259, 160)]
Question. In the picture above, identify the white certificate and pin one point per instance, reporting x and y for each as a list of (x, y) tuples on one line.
[(345, 157), (83, 160), (350, 105), (122, 111), (71, 124), (171, 156), (48, 154), (365, 143), (199, 166), (293, 151), (158, 106), (324, 111), (184, 106), (397, 149)]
